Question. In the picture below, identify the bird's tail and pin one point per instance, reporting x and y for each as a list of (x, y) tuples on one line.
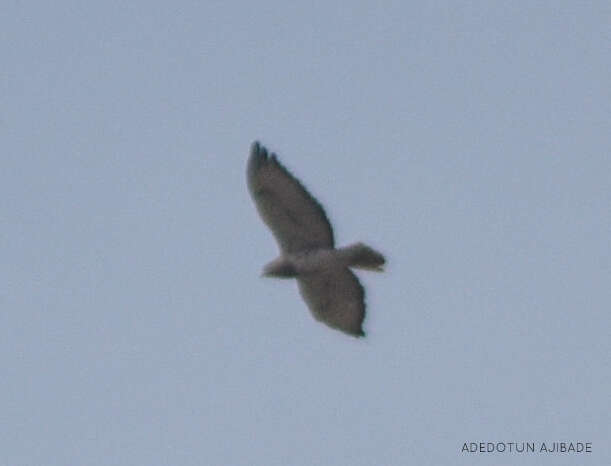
[(363, 257)]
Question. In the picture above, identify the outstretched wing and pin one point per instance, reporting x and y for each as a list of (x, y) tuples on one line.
[(336, 298), (296, 219)]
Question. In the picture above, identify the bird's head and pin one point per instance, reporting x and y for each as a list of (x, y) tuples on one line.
[(280, 268)]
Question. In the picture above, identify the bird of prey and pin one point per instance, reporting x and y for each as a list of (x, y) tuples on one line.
[(307, 249)]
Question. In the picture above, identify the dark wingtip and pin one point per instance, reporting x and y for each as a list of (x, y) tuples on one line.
[(255, 149), (258, 156)]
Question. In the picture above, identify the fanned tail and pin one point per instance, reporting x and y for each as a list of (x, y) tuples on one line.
[(364, 257)]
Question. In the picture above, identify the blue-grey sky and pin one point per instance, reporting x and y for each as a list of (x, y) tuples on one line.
[(469, 141)]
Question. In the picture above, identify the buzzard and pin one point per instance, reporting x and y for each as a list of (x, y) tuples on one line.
[(307, 249)]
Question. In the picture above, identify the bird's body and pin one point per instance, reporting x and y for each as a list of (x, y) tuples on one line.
[(300, 225)]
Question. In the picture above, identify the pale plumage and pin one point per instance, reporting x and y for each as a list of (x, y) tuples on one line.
[(304, 234)]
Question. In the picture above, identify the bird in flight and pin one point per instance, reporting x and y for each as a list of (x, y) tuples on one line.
[(330, 289)]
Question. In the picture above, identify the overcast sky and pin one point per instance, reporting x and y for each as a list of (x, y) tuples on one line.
[(469, 141)]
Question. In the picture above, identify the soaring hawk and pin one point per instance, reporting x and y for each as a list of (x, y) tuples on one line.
[(307, 250)]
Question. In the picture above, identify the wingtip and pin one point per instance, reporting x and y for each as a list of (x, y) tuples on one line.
[(258, 149), (258, 156), (255, 148)]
